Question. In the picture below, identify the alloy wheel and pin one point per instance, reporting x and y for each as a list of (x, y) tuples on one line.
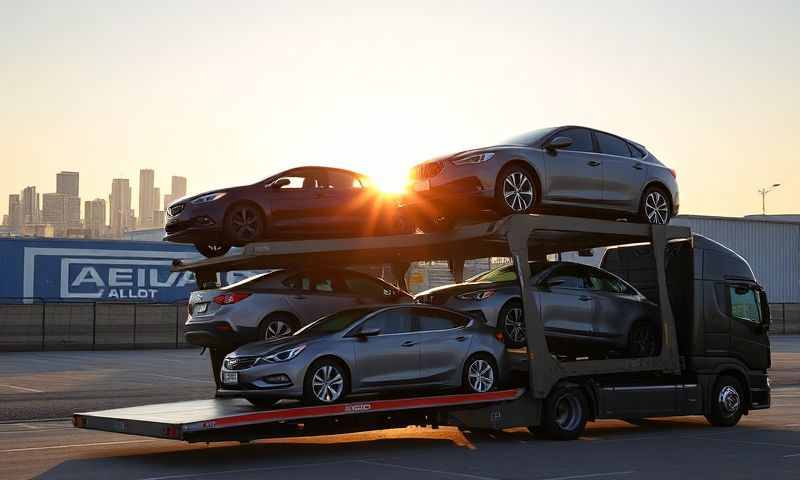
[(514, 325), (245, 223), (656, 208), (277, 328), (518, 192), (480, 376), (327, 384)]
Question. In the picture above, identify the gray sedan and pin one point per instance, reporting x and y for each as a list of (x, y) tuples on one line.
[(368, 350), (584, 309)]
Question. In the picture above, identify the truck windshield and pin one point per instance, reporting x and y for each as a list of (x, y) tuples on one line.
[(507, 273), (335, 322)]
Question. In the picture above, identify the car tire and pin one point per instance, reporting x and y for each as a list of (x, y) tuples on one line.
[(480, 374), (727, 402), (212, 249), (264, 403), (511, 323), (244, 223), (655, 206), (643, 340), (326, 372), (517, 190), (277, 325), (564, 414)]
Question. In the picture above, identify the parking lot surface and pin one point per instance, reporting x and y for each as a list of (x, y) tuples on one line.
[(38, 391)]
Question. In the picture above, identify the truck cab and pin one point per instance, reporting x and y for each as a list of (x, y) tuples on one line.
[(721, 312)]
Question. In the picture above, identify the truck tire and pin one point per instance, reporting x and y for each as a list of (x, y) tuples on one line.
[(564, 413), (727, 402)]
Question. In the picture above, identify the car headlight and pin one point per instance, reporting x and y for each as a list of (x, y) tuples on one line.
[(480, 158), (283, 356), (479, 295), (208, 198)]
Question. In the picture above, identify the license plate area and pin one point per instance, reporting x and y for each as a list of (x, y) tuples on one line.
[(230, 378)]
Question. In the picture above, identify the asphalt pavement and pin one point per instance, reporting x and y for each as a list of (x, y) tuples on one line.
[(38, 389)]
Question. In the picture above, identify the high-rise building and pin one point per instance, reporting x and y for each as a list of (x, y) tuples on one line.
[(29, 201), (120, 211), (67, 183), (146, 194), (54, 209), (156, 204), (178, 191), (14, 211), (94, 217)]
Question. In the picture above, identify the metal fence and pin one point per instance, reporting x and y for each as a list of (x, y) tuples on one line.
[(785, 318), (41, 325)]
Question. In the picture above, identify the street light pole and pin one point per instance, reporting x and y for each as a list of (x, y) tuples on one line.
[(764, 192)]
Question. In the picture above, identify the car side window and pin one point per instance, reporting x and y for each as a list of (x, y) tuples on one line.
[(611, 145), (342, 180), (745, 304), (581, 139), (318, 282), (295, 182), (396, 320), (431, 320), (602, 281), (568, 276), (365, 287), (635, 152)]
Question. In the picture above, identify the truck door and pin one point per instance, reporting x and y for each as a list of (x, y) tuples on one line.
[(748, 325)]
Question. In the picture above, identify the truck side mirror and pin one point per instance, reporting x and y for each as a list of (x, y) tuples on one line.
[(765, 315)]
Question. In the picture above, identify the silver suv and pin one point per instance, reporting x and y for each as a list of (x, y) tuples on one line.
[(279, 303)]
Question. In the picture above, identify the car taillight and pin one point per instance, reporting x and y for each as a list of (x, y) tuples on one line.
[(229, 298), (673, 172)]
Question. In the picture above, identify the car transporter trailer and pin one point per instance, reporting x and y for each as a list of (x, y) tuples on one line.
[(559, 396)]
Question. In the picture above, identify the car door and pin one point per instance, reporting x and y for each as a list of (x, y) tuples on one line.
[(613, 303), (623, 174), (346, 203), (297, 202), (314, 294), (392, 357), (445, 342), (575, 173), (566, 302)]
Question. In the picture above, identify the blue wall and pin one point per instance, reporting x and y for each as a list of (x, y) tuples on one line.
[(95, 270)]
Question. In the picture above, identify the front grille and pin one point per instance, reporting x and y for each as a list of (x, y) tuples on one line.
[(175, 209), (239, 363), (427, 170)]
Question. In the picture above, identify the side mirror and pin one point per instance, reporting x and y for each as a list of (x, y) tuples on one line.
[(279, 183), (765, 316), (558, 142), (368, 332)]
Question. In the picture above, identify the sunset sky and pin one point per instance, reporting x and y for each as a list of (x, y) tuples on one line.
[(229, 92)]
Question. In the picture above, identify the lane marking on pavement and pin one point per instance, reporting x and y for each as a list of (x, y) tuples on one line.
[(180, 378), (767, 444), (792, 455), (24, 389), (590, 475), (246, 470), (53, 447), (427, 470)]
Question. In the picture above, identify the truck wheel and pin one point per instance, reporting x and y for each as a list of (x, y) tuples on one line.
[(264, 403), (480, 374), (564, 413), (511, 322), (727, 404), (326, 382)]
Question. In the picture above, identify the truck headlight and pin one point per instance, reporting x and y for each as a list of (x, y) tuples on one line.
[(480, 158), (283, 355), (479, 295), (208, 198)]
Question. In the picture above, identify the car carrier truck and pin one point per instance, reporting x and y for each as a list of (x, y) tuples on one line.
[(712, 361)]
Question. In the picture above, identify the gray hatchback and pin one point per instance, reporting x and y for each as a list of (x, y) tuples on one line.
[(368, 350)]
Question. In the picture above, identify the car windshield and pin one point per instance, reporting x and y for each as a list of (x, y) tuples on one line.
[(506, 273), (335, 322), (528, 138)]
